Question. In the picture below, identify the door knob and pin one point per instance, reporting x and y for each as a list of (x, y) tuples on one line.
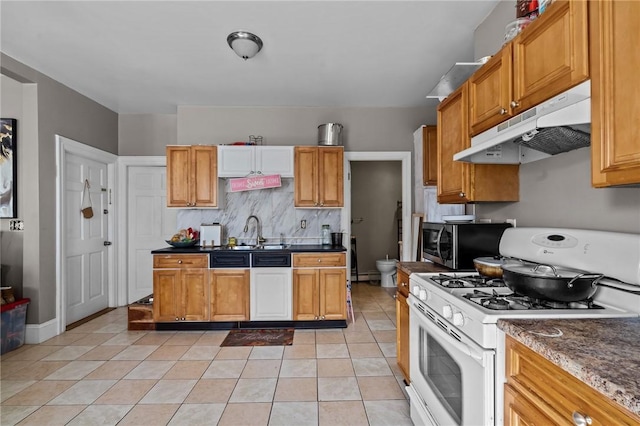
[(107, 243)]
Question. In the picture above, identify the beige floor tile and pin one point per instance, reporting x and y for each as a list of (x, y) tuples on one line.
[(12, 366), (365, 350), (225, 369), (155, 338), (197, 414), (187, 370), (234, 352), (202, 353), (261, 369), (151, 415), (169, 392), (33, 353), (53, 415), (332, 350), (299, 368), (304, 337), (10, 415), (113, 370), (38, 370), (150, 370), (371, 367), (9, 388), (297, 389), (93, 339), (208, 391), (128, 338), (100, 415), (388, 413), (39, 393), (294, 413), (185, 338), (393, 365), (381, 325), (342, 413), (266, 352), (168, 352), (359, 336), (102, 353), (335, 368), (126, 392), (83, 392), (254, 390), (135, 352), (212, 338), (299, 351), (385, 336), (379, 388), (329, 336), (68, 353), (246, 414), (75, 370), (64, 339), (388, 349), (368, 316), (338, 389)]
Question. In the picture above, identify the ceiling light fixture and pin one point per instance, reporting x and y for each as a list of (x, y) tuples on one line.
[(245, 44)]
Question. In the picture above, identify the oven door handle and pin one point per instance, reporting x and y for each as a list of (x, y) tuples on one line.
[(461, 347), (438, 251)]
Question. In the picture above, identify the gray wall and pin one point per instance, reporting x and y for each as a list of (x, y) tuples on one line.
[(146, 134), (557, 191), (58, 110)]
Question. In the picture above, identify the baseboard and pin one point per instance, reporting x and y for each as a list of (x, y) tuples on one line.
[(38, 333)]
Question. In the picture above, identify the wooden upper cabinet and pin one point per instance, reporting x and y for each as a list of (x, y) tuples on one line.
[(615, 109), (319, 176), (460, 182), (550, 56), (429, 155), (192, 177)]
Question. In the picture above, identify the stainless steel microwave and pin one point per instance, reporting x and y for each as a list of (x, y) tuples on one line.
[(455, 245)]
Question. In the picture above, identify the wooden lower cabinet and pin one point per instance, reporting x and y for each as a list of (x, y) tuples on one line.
[(180, 288), (538, 392), (319, 293), (402, 324), (229, 295)]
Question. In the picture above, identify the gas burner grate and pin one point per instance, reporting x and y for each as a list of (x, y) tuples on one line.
[(513, 301), (470, 281)]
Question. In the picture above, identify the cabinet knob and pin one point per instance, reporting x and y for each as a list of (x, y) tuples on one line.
[(316, 317), (177, 319), (182, 318), (580, 419), (462, 195), (514, 104), (179, 261), (323, 317), (404, 284), (319, 260), (503, 111)]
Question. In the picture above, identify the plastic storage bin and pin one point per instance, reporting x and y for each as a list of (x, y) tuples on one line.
[(14, 318)]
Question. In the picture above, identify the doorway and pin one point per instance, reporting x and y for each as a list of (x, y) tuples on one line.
[(85, 267), (404, 158)]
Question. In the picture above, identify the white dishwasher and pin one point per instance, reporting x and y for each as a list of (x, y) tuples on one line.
[(271, 297)]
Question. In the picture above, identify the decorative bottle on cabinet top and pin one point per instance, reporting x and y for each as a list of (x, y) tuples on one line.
[(326, 235)]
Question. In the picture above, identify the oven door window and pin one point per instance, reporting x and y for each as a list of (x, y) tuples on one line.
[(443, 375)]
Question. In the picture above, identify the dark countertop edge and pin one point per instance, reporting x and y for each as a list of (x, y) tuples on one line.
[(421, 267), (570, 358), (294, 248)]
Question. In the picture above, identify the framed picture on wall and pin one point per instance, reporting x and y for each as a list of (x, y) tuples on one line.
[(8, 168)]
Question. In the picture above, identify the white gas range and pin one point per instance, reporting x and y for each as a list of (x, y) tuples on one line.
[(456, 348)]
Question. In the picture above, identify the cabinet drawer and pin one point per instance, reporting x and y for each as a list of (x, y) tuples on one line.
[(230, 259), (271, 260), (180, 261), (319, 259)]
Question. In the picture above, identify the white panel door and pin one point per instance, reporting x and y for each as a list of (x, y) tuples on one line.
[(149, 223), (86, 260), (271, 297)]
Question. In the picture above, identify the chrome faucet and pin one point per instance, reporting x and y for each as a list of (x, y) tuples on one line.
[(259, 238)]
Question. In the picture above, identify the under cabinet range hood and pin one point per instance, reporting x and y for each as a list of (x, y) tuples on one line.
[(560, 124)]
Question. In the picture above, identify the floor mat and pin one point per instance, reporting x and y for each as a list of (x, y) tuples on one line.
[(263, 337)]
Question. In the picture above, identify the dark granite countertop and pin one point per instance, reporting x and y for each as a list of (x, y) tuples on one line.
[(421, 267), (603, 353), (294, 248)]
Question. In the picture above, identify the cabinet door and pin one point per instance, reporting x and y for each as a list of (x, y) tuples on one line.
[(490, 92), (166, 295), (518, 411), (305, 294), (271, 294), (229, 295), (402, 334), (453, 137), (236, 161), (271, 160), (204, 176), (194, 290), (333, 294), (306, 176), (552, 54), (178, 176), (331, 176), (429, 155), (615, 150)]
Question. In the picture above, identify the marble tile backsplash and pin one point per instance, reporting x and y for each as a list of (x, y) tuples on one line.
[(274, 207)]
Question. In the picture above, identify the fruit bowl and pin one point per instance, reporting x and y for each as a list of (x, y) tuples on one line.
[(182, 244)]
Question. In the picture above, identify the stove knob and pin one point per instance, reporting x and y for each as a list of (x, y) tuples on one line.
[(458, 319), (447, 312), (423, 295), (416, 289)]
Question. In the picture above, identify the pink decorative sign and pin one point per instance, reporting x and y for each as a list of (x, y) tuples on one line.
[(255, 182)]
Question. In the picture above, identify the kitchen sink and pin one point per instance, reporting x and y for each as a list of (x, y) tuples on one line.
[(275, 246), (242, 248)]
